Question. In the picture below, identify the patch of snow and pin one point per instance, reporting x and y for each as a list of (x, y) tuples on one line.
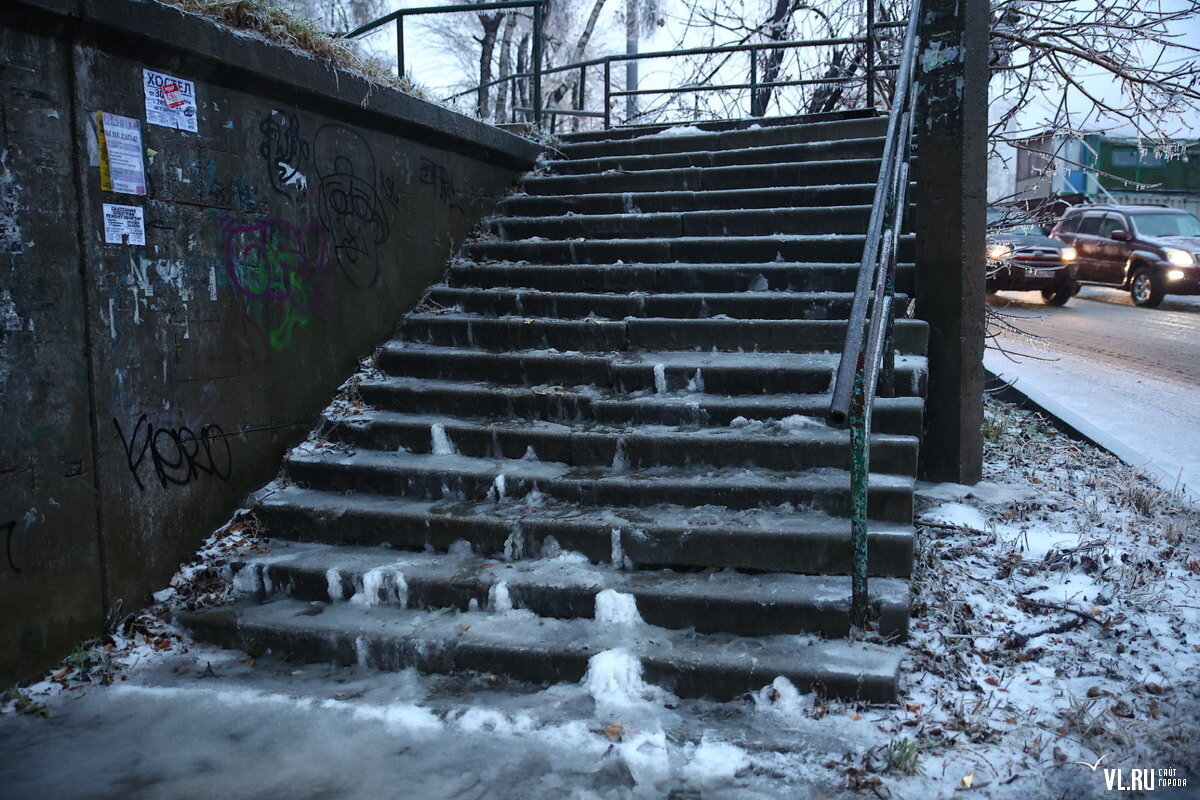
[(616, 608)]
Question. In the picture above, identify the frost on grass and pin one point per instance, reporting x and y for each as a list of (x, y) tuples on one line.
[(1055, 621)]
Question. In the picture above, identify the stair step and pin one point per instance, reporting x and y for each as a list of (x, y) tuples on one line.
[(800, 444), (682, 305), (722, 373), (822, 150), (547, 650), (894, 415), (657, 202), (740, 176), (741, 222), (707, 137), (650, 333), (565, 588), (844, 248), (776, 540), (456, 477), (695, 277)]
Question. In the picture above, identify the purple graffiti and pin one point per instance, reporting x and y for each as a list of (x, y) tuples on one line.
[(283, 270)]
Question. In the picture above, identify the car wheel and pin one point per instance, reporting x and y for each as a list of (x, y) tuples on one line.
[(1058, 296), (1145, 289)]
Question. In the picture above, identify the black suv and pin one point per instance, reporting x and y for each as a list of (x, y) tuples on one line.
[(1152, 251), (1021, 258)]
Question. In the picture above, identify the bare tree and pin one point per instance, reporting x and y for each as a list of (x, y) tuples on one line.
[(487, 44)]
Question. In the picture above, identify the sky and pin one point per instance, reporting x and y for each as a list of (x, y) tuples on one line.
[(441, 72)]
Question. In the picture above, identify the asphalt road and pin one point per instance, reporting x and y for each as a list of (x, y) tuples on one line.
[(1104, 325)]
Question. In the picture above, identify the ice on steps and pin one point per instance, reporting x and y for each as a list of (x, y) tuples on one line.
[(617, 608)]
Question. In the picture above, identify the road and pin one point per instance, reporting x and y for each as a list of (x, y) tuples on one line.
[(1131, 375), (1104, 325)]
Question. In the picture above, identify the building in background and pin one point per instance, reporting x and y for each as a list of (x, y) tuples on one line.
[(1057, 170)]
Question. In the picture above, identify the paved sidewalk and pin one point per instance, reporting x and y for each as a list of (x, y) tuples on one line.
[(1145, 420)]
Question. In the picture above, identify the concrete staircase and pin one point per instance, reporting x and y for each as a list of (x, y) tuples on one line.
[(616, 401)]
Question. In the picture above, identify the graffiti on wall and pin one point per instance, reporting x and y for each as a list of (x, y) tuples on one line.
[(10, 529), (439, 177), (177, 455), (284, 150), (281, 269)]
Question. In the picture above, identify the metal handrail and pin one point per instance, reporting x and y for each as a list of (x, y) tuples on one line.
[(536, 56), (868, 357), (538, 70)]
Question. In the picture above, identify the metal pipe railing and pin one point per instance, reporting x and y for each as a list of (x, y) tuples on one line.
[(868, 357), (538, 71)]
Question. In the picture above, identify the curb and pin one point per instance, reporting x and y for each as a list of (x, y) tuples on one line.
[(1079, 428)]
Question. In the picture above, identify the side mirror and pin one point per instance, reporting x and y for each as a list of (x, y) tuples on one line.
[(1121, 236)]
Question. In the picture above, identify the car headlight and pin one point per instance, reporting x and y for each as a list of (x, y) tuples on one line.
[(1068, 254), (1175, 274), (1180, 258), (998, 251)]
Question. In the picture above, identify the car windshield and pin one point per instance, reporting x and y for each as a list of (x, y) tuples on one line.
[(1166, 224)]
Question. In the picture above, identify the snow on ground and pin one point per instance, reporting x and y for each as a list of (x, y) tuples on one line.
[(1055, 621)]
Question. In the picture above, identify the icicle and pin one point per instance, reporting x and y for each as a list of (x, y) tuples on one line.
[(499, 599), (362, 653), (619, 462), (619, 560), (514, 545), (759, 284), (382, 585), (333, 580), (696, 384), (442, 446), (530, 454), (498, 487), (660, 378)]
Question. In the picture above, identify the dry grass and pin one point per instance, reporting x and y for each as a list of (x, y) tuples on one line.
[(282, 27)]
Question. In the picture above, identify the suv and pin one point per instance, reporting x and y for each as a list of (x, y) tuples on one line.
[(1152, 251), (1021, 258)]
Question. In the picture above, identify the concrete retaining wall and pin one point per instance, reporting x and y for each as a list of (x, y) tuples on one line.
[(146, 389)]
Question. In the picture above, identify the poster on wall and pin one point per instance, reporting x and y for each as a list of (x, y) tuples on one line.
[(124, 225), (121, 167), (170, 102)]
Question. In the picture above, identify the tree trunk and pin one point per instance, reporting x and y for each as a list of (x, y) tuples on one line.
[(777, 29), (580, 47), (491, 25), (521, 87), (631, 67), (510, 22)]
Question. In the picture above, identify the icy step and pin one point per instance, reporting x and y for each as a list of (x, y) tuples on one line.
[(730, 222), (794, 443), (499, 302), (768, 539), (820, 150), (660, 372), (471, 399), (506, 334), (666, 201), (714, 602), (739, 176), (692, 277), (707, 136), (536, 649), (835, 247), (458, 477)]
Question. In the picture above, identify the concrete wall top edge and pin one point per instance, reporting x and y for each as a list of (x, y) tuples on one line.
[(245, 61)]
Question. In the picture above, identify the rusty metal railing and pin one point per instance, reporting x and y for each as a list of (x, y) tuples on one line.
[(867, 363)]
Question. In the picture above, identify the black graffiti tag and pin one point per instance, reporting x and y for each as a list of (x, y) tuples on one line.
[(178, 454), (436, 175), (9, 529), (283, 149)]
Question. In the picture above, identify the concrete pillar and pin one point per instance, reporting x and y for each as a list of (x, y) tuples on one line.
[(950, 198)]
